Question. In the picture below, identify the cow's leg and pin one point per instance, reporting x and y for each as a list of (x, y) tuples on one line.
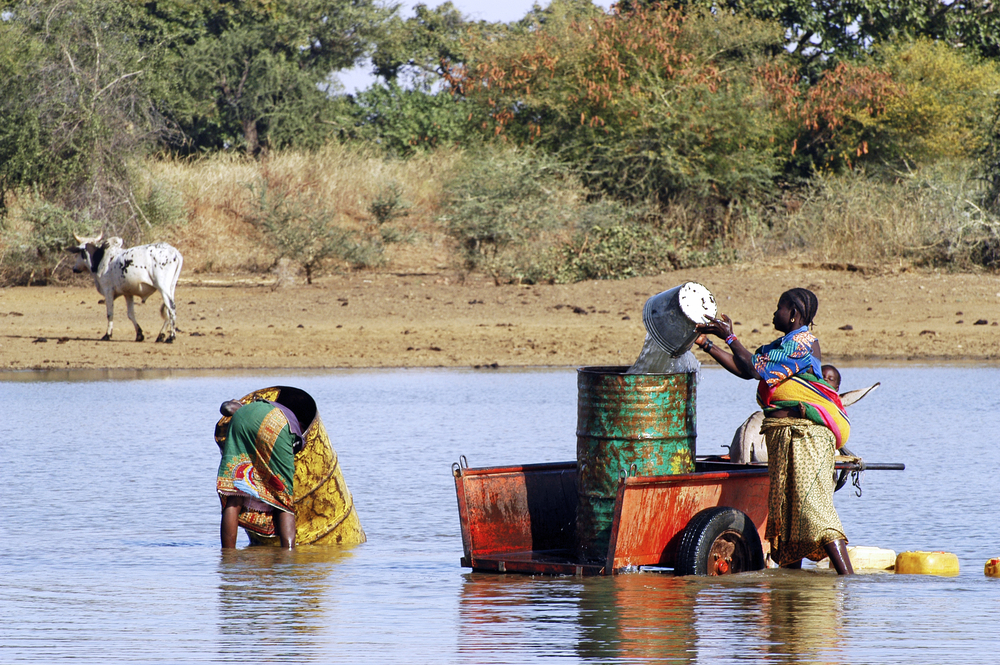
[(130, 305), (109, 302), (168, 310)]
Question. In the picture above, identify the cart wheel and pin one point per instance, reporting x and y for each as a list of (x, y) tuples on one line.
[(719, 541)]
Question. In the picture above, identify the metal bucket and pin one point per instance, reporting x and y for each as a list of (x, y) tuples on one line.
[(324, 508), (670, 316), (635, 424)]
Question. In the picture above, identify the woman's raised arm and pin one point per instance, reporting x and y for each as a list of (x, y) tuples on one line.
[(740, 361)]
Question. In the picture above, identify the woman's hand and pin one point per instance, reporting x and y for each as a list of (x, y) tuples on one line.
[(721, 327), (739, 360)]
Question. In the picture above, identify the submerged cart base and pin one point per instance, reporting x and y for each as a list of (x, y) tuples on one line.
[(522, 519)]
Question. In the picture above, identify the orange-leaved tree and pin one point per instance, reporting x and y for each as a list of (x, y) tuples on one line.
[(651, 103)]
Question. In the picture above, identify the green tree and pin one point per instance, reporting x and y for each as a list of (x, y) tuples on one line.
[(256, 73), (824, 31), (433, 39), (403, 121), (76, 111), (653, 103), (409, 109), (23, 150), (946, 100), (420, 44)]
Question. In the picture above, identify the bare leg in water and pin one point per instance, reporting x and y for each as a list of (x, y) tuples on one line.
[(284, 527), (284, 524), (230, 521), (837, 550)]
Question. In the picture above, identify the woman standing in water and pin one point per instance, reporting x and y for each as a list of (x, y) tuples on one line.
[(804, 424)]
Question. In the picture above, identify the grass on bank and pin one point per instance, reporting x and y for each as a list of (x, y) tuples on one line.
[(514, 215)]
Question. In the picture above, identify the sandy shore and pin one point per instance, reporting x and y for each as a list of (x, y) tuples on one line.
[(436, 320)]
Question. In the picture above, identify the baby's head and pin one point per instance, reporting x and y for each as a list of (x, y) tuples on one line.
[(831, 375)]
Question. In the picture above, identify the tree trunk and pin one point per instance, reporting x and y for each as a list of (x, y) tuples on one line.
[(250, 135)]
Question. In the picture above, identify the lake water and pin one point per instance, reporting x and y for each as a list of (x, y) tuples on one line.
[(109, 543)]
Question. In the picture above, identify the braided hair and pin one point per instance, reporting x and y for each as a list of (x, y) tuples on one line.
[(805, 303)]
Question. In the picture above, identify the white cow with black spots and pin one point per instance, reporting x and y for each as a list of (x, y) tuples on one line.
[(137, 271)]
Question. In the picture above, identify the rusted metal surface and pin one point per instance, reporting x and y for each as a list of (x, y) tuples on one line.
[(533, 563), (516, 509), (627, 424), (725, 555), (520, 519), (651, 513)]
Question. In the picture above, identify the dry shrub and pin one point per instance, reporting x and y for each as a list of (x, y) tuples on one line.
[(925, 218), (216, 237), (219, 236), (518, 215)]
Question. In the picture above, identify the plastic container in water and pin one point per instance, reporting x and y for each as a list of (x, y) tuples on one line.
[(944, 564), (636, 424), (992, 568), (871, 558), (670, 317)]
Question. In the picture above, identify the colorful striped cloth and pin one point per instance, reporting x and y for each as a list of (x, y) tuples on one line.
[(790, 378), (821, 403)]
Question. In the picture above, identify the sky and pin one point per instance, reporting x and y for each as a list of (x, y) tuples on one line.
[(359, 78)]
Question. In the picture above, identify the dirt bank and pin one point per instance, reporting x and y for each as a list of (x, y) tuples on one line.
[(434, 319)]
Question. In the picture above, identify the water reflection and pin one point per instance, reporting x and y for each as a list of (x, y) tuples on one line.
[(629, 618), (800, 613), (780, 616), (638, 618), (278, 597), (503, 616)]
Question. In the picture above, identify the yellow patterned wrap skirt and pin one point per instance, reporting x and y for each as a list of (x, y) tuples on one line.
[(801, 518)]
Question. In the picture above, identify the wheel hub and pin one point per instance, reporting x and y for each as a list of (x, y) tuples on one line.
[(727, 555)]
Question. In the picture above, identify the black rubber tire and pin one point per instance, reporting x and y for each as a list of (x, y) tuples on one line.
[(721, 529)]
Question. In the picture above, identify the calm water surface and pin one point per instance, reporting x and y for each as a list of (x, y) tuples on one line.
[(109, 548)]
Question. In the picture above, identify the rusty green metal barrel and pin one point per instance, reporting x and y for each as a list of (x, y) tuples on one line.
[(635, 424)]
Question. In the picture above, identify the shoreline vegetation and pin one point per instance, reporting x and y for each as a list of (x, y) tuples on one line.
[(505, 193), (510, 214), (423, 317)]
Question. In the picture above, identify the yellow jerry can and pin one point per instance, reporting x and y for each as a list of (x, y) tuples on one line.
[(871, 558), (992, 568), (944, 564)]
